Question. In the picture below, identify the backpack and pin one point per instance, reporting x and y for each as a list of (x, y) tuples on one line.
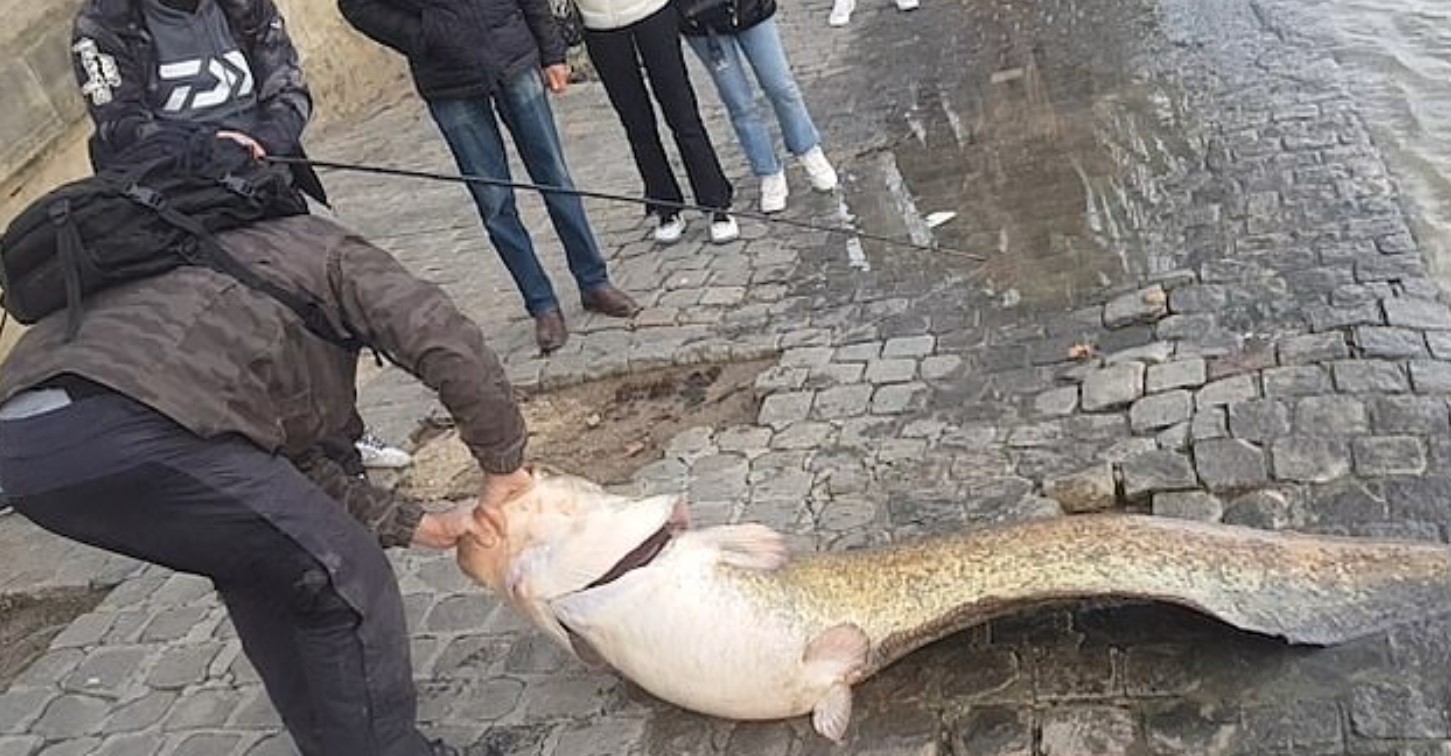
[(157, 209)]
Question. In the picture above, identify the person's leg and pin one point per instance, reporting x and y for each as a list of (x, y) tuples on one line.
[(616, 60), (472, 133), (658, 38), (524, 106), (722, 56), (762, 47), (317, 607)]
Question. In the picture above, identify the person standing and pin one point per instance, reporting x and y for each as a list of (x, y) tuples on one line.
[(621, 36), (475, 63), (228, 66), (728, 34)]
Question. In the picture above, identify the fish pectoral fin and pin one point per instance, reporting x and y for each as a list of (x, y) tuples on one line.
[(840, 649), (833, 713), (749, 546), (586, 652)]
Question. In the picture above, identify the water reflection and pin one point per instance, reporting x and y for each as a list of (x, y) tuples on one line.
[(1058, 153), (1398, 56)]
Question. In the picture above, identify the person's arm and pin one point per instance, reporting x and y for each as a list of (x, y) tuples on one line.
[(393, 518), (283, 100), (384, 23), (420, 328), (546, 33), (112, 82)]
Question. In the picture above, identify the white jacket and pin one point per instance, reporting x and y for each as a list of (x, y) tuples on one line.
[(604, 15)]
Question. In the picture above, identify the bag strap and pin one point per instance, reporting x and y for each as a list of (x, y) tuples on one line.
[(69, 247), (308, 309)]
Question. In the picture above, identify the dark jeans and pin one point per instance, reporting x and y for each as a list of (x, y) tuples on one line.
[(655, 41), (313, 598), (472, 132)]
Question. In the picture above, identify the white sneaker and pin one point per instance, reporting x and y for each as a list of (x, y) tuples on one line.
[(723, 229), (774, 192), (671, 228), (378, 455), (818, 168), (907, 5), (841, 12)]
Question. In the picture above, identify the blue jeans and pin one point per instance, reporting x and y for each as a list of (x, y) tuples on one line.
[(725, 56), (472, 133)]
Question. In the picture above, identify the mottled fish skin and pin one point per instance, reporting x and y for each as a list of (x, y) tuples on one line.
[(1305, 589)]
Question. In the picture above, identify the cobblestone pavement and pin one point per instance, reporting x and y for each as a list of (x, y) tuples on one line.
[(1202, 300)]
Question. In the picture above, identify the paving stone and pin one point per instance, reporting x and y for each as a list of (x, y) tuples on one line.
[(1188, 729), (1372, 377), (1440, 344), (1388, 455), (21, 706), (1306, 459), (1331, 416), (1391, 415), (1056, 402), (1112, 387), (940, 367), (1209, 423), (1175, 437), (140, 713), (780, 379), (1313, 348), (205, 708), (1398, 712), (1159, 411), (71, 716), (1186, 373), (1099, 730), (1238, 388), (1036, 435), (1296, 727), (207, 744), (1209, 298), (1156, 353), (842, 401), (1304, 380), (85, 630), (1259, 420), (1390, 343), (1428, 377), (1091, 489), (1188, 505), (743, 438), (460, 613), (609, 737), (807, 357), (1230, 464), (781, 410), (1155, 471), (804, 435), (835, 374), (891, 371), (137, 744), (107, 670), (1409, 312), (909, 346), (899, 398), (863, 352), (994, 731), (180, 666), (20, 746)]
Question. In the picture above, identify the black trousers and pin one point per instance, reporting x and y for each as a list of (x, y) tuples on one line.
[(655, 42), (315, 602)]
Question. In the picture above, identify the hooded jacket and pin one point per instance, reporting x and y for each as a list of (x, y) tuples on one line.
[(461, 49)]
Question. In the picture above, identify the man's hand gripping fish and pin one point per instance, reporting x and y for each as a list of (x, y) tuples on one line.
[(717, 620)]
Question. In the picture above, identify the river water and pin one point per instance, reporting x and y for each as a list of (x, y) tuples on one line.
[(1398, 53)]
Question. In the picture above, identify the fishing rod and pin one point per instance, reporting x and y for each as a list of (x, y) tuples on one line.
[(472, 179)]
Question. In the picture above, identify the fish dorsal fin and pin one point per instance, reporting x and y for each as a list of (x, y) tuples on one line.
[(749, 546), (837, 657)]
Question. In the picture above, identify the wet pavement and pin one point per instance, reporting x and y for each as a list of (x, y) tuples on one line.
[(1195, 261)]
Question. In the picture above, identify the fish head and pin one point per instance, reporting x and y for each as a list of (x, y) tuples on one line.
[(565, 535)]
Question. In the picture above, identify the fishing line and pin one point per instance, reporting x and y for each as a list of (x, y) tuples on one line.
[(472, 179)]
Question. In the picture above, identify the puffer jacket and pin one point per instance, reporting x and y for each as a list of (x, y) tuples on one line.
[(461, 49)]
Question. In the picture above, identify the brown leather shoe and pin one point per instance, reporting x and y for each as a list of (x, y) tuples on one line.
[(607, 300), (550, 331)]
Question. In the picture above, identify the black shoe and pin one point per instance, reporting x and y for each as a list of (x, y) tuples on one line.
[(439, 748)]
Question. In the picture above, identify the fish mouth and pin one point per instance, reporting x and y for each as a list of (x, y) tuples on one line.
[(647, 551)]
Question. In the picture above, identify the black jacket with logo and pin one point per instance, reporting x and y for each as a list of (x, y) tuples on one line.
[(459, 49), (115, 63)]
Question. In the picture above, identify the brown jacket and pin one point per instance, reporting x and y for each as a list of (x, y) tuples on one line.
[(219, 358)]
